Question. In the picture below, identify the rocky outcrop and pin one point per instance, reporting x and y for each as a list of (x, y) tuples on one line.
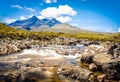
[(12, 77), (90, 51), (112, 69), (74, 72), (114, 49), (32, 75), (102, 58), (9, 46)]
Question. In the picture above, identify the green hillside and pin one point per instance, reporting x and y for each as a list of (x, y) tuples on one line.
[(6, 31)]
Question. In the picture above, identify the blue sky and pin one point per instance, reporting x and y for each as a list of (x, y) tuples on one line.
[(96, 15)]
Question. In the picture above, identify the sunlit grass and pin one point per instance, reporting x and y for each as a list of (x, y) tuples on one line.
[(12, 33)]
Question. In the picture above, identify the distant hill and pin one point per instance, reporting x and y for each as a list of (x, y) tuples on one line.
[(64, 27), (34, 22)]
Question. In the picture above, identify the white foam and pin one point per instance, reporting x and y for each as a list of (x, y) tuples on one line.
[(30, 51), (49, 52)]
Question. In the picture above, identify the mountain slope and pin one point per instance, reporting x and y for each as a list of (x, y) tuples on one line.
[(65, 28), (34, 22), (5, 28)]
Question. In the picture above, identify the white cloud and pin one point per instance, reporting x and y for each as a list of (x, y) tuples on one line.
[(64, 19), (29, 9), (8, 20), (23, 8), (16, 6), (62, 13), (40, 17), (23, 17), (50, 12), (65, 9), (50, 1), (54, 12), (118, 29)]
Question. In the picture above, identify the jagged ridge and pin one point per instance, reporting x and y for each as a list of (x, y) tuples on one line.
[(35, 22)]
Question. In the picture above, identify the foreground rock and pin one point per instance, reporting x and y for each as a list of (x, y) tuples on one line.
[(114, 49), (26, 75), (23, 73), (112, 69), (103, 60), (90, 51), (74, 72)]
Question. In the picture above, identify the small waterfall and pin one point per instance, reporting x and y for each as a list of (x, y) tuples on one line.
[(41, 52), (51, 51), (30, 51)]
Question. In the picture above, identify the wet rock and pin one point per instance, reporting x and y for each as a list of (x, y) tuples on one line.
[(102, 58), (11, 50), (92, 67), (2, 78), (90, 52), (3, 51), (101, 78), (110, 66), (114, 50), (112, 69), (12, 77), (18, 65), (32, 75), (74, 72)]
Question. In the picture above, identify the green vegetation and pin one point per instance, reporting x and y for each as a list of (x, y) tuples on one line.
[(84, 65), (96, 73), (6, 31)]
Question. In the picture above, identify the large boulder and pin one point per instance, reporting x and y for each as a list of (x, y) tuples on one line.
[(114, 49), (112, 69), (74, 72), (12, 77), (32, 75), (108, 65), (90, 52), (102, 58)]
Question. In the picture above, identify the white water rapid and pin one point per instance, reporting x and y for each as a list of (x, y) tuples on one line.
[(72, 52)]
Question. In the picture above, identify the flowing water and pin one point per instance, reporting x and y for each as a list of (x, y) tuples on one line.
[(50, 58)]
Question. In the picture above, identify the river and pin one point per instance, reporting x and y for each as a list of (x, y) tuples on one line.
[(48, 58)]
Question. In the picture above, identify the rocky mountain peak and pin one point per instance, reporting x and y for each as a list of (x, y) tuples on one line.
[(35, 22)]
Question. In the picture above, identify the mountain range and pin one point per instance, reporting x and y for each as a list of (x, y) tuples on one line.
[(51, 25), (35, 22)]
